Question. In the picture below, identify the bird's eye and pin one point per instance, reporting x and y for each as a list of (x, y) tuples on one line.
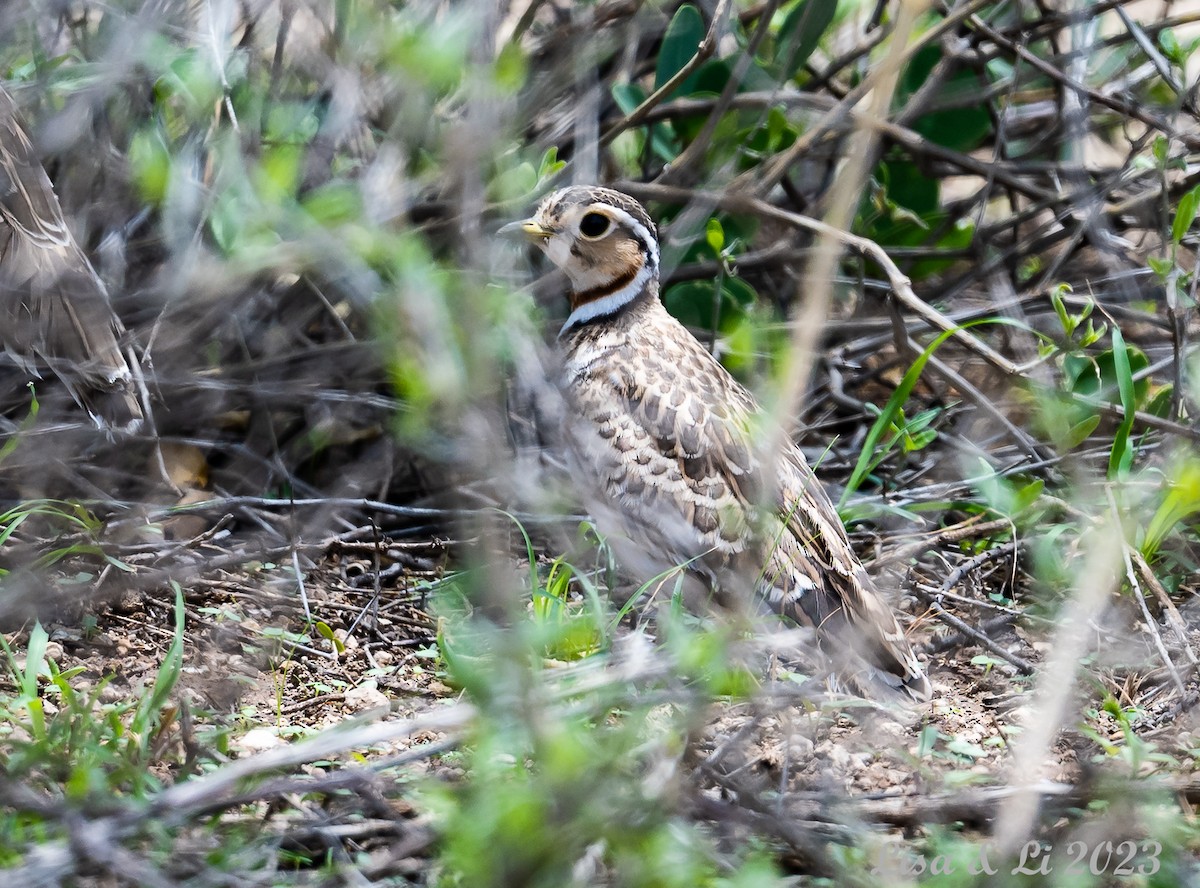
[(594, 225)]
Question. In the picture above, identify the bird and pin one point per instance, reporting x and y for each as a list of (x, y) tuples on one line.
[(54, 308), (667, 441)]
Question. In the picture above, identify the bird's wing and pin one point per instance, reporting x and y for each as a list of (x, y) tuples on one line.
[(673, 437), (843, 601), (667, 444), (53, 305)]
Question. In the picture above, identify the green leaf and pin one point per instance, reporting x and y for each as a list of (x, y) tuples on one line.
[(511, 68), (333, 203), (693, 302), (1170, 46), (1181, 501), (714, 234), (1160, 404), (1027, 495), (922, 420), (919, 440), (801, 31), (515, 182), (324, 630), (679, 45), (1080, 432), (960, 128), (1160, 265), (1064, 318), (740, 295), (628, 96), (1100, 377), (1160, 150), (1121, 457), (550, 164), (1185, 215), (150, 163), (227, 221), (35, 655), (151, 703), (927, 741), (278, 174), (966, 748)]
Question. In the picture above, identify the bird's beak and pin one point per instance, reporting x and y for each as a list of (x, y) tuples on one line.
[(528, 228)]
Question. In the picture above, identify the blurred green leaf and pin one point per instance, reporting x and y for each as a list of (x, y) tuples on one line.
[(515, 182), (679, 45), (1028, 495), (550, 164), (150, 164), (1121, 457), (333, 203), (960, 236), (1160, 404), (1181, 501), (1185, 215), (740, 294), (914, 441), (1080, 432), (714, 235), (800, 33), (693, 302), (958, 128), (509, 71), (628, 96), (1101, 376), (326, 632), (227, 221), (1162, 266), (278, 174), (192, 77)]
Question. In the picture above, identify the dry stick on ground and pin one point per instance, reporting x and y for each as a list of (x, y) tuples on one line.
[(973, 564), (1021, 664), (1173, 615), (956, 576), (1151, 625), (972, 528)]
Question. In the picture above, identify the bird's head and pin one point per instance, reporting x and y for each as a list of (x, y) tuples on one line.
[(603, 240)]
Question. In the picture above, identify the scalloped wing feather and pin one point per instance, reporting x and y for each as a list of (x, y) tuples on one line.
[(668, 435)]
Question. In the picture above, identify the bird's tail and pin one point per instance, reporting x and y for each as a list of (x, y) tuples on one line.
[(868, 647), (857, 631)]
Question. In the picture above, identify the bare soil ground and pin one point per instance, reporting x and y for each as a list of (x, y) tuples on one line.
[(256, 664)]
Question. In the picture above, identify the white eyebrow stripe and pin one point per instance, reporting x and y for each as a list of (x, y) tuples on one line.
[(640, 231)]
